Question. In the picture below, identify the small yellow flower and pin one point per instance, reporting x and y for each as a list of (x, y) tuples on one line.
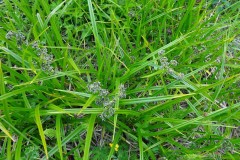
[(116, 146)]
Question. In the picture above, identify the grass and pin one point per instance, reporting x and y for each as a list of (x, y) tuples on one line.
[(120, 79)]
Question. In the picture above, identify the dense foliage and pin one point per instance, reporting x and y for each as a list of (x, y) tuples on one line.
[(119, 79)]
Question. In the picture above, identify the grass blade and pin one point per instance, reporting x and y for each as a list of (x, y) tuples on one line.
[(40, 129), (58, 135), (2, 93), (2, 128), (89, 136)]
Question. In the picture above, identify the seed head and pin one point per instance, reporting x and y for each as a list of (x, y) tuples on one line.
[(108, 103), (122, 91), (173, 62), (180, 76), (165, 65), (35, 45), (44, 51), (94, 87), (47, 67), (9, 34), (163, 59), (103, 92), (170, 71), (107, 113), (20, 36), (161, 52)]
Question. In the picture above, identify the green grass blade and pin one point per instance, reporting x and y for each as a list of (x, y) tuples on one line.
[(93, 21), (58, 135), (115, 145), (2, 93), (86, 111), (15, 92), (89, 136), (4, 130), (152, 99), (140, 144), (88, 103), (19, 148), (40, 129), (14, 55), (75, 93), (54, 11), (9, 147)]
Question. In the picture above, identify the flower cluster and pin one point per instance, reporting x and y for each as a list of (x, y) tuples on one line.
[(94, 87), (199, 49), (9, 35), (115, 148), (107, 113), (167, 65), (233, 49), (173, 63), (104, 99), (161, 52), (164, 62), (108, 107), (180, 76), (122, 91), (20, 38), (46, 58)]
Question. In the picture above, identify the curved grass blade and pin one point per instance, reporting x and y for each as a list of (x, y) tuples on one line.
[(14, 55), (40, 129), (19, 147), (88, 103), (2, 128)]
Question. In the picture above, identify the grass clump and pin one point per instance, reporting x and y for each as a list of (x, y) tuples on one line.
[(119, 79)]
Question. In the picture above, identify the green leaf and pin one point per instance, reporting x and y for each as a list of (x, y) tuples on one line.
[(2, 128), (2, 93), (89, 136), (58, 135), (88, 103), (152, 99), (40, 129)]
